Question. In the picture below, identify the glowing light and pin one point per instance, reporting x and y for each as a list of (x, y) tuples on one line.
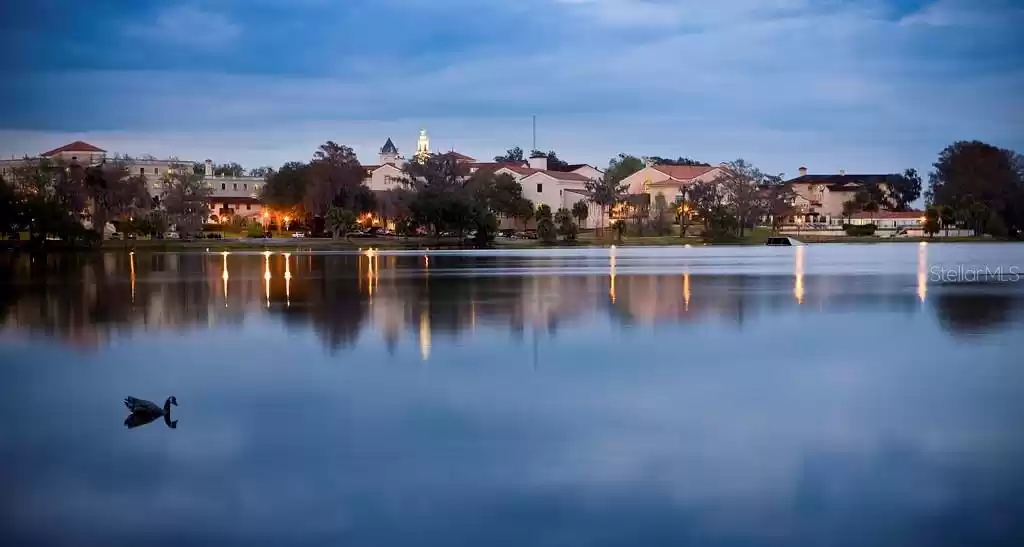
[(613, 247), (224, 276), (688, 246), (611, 281), (798, 284), (686, 290), (424, 335), (922, 269), (131, 264), (287, 279), (924, 243), (266, 276)]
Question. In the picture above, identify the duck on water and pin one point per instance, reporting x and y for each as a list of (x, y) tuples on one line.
[(144, 412)]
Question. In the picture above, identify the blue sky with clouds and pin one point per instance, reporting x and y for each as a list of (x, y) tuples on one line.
[(861, 85)]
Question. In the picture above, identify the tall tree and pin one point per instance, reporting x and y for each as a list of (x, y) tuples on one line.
[(742, 182), (286, 187), (904, 189), (186, 198), (564, 222), (514, 154), (229, 170), (970, 172), (260, 171), (333, 171), (114, 192)]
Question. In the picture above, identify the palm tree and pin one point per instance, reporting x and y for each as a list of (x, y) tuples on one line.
[(580, 211), (605, 193), (340, 221)]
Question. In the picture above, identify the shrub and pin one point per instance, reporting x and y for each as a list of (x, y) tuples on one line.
[(859, 230)]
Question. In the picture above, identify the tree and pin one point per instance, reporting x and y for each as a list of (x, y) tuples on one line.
[(850, 208), (229, 170), (778, 200), (554, 163), (931, 221), (285, 188), (658, 160), (566, 227), (260, 171), (334, 170), (661, 221), (580, 211), (441, 200), (741, 183), (114, 192), (545, 225), (904, 189), (707, 201), (186, 198), (513, 155), (947, 217), (970, 172), (605, 192), (340, 221)]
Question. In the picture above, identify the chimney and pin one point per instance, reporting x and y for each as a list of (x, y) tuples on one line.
[(209, 168), (539, 162), (803, 171), (842, 172)]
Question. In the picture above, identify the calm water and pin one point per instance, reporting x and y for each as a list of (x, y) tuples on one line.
[(829, 395)]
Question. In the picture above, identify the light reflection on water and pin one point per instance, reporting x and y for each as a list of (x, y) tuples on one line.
[(705, 396)]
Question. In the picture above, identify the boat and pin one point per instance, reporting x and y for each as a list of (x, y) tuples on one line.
[(783, 241)]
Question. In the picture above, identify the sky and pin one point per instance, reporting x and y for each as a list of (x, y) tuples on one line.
[(861, 85)]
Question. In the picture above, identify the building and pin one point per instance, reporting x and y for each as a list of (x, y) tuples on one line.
[(820, 198), (668, 181), (231, 195), (556, 189)]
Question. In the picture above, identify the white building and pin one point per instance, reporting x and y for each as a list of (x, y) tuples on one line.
[(668, 180)]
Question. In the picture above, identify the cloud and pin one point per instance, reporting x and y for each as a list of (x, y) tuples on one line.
[(966, 13), (832, 85), (186, 26)]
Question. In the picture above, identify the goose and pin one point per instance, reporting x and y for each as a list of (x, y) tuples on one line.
[(143, 411)]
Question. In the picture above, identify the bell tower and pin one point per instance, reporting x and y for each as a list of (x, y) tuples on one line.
[(422, 145)]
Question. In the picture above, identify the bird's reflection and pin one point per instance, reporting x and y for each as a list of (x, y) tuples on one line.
[(136, 420)]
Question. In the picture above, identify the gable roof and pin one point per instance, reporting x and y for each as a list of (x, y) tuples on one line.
[(684, 172), (564, 176), (495, 165), (77, 146), (575, 166), (389, 148), (841, 183), (458, 156)]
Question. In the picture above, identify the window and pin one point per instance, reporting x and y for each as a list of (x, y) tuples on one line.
[(248, 207), (245, 187), (156, 170), (255, 187), (142, 170), (223, 186), (73, 158), (234, 186), (540, 187)]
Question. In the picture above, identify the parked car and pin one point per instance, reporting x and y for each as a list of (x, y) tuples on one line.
[(298, 235)]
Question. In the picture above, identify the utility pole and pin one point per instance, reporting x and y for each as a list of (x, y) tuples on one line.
[(534, 132)]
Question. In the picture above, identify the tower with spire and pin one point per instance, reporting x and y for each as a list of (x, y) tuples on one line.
[(422, 145), (389, 153)]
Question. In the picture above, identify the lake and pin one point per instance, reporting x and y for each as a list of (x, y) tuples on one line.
[(714, 396)]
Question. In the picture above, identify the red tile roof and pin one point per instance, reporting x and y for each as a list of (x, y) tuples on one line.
[(684, 172), (458, 156), (77, 146)]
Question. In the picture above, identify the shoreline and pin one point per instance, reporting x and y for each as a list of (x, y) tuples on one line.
[(311, 244)]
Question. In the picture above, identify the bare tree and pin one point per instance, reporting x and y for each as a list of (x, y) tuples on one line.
[(186, 198)]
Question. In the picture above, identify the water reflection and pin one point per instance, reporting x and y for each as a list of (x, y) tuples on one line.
[(336, 294), (699, 395)]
